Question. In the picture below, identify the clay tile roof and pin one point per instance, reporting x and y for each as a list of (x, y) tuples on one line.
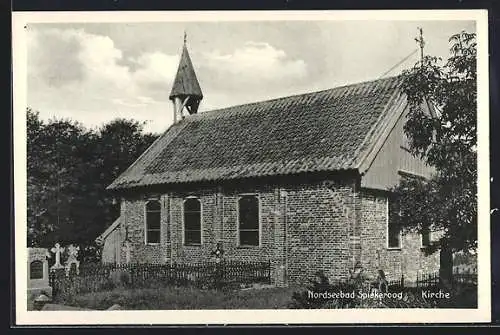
[(185, 82), (321, 131)]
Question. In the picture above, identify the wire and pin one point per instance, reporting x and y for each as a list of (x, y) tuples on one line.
[(399, 63)]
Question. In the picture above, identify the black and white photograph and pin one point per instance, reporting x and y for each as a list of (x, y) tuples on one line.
[(306, 167)]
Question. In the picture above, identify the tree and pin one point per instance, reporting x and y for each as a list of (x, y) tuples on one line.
[(116, 146), (69, 168), (52, 162), (446, 139)]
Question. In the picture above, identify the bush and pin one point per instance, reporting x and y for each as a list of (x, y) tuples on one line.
[(119, 278), (460, 296), (314, 295), (90, 254)]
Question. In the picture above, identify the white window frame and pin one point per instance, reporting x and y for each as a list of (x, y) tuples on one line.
[(422, 246), (184, 223), (259, 214), (146, 221), (387, 230)]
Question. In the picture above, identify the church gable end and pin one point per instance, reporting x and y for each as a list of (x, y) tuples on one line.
[(394, 159)]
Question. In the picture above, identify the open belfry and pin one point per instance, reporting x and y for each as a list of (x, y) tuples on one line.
[(186, 93)]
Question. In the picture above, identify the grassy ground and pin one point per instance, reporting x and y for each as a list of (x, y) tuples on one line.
[(185, 298)]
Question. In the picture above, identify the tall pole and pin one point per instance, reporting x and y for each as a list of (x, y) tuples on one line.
[(421, 43)]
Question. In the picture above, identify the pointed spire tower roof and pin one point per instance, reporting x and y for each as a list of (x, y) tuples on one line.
[(185, 83)]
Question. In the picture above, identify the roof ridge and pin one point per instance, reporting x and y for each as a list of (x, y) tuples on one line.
[(214, 111)]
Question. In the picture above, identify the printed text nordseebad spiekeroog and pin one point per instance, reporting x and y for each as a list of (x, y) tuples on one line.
[(354, 294)]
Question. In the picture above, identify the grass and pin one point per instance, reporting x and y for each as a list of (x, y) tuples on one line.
[(178, 298), (190, 298)]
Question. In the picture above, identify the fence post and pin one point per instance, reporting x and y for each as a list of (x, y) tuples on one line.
[(218, 253), (52, 282), (268, 271), (218, 274)]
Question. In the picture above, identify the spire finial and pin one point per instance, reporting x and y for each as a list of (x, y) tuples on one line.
[(186, 92)]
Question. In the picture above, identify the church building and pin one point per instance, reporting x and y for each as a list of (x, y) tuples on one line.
[(301, 181)]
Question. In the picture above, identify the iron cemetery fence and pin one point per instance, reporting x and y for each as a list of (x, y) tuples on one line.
[(464, 277), (423, 280), (101, 277)]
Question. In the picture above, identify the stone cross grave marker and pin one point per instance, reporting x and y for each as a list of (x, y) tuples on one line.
[(38, 273), (72, 259), (57, 250)]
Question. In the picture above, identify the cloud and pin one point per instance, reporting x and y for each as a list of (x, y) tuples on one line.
[(254, 63), (155, 73), (51, 51), (137, 101), (76, 61), (85, 77), (128, 102), (96, 72)]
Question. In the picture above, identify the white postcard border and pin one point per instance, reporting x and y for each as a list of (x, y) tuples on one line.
[(24, 317)]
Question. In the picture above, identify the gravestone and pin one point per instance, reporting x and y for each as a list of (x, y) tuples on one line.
[(115, 307), (38, 273), (72, 259), (57, 250)]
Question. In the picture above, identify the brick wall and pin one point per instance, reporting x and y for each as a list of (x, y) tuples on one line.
[(133, 213), (319, 218), (304, 227), (407, 260), (219, 224)]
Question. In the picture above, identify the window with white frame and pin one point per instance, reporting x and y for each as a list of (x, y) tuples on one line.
[(248, 217), (393, 227), (153, 222), (192, 221), (425, 236)]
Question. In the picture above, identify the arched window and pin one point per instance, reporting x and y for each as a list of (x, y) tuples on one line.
[(248, 214), (153, 222), (192, 221)]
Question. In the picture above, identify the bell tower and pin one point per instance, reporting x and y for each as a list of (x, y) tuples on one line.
[(186, 93)]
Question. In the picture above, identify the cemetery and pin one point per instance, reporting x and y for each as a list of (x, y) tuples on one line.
[(38, 273), (65, 284), (67, 278)]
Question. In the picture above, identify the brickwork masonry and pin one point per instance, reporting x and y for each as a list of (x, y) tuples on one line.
[(324, 225), (375, 254)]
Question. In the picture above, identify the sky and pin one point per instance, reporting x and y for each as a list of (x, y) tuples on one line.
[(96, 72)]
